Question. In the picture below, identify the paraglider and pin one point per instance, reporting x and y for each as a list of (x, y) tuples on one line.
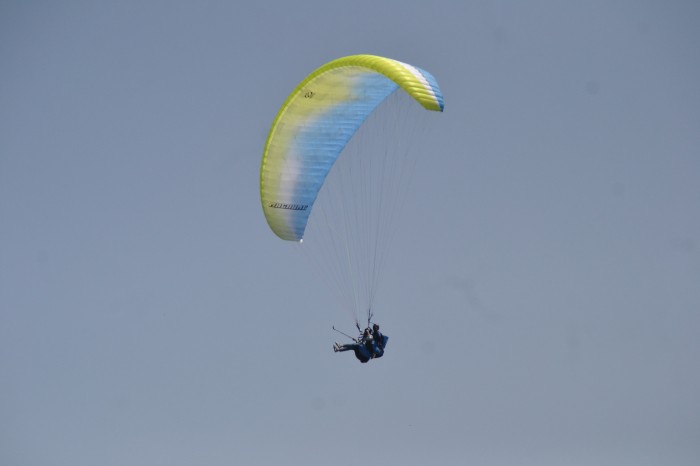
[(369, 345), (312, 128)]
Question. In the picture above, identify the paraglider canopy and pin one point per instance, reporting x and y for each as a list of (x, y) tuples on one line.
[(316, 122)]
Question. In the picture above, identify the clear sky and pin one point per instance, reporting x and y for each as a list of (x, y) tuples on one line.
[(545, 310)]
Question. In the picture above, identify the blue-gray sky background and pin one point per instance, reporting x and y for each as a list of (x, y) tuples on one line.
[(543, 301)]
